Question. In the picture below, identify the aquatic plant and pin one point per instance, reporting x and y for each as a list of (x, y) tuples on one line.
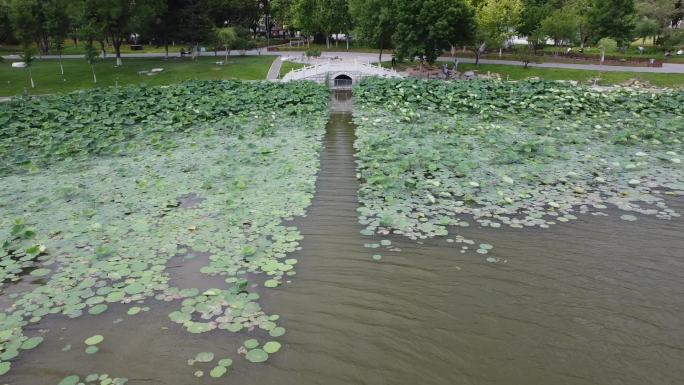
[(438, 154), (101, 189)]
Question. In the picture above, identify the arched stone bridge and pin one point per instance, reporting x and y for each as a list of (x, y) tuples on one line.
[(339, 74)]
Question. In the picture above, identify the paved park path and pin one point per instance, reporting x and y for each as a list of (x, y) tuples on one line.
[(671, 68), (274, 71)]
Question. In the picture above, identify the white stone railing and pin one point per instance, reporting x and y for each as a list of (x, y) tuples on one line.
[(358, 68)]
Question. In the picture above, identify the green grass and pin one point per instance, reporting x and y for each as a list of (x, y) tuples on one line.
[(78, 76), (71, 49), (606, 78), (341, 47), (631, 53), (512, 72), (289, 66)]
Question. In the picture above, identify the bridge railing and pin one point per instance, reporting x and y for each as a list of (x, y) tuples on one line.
[(363, 67)]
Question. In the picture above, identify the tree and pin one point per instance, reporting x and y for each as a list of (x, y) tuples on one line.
[(91, 56), (533, 12), (119, 18), (427, 27), (194, 24), (29, 23), (27, 57), (606, 44), (305, 17), (664, 12), (244, 13), (333, 17), (57, 26), (646, 28), (526, 55), (612, 18), (373, 22), (281, 12), (580, 8), (497, 21), (561, 26), (6, 35), (227, 37)]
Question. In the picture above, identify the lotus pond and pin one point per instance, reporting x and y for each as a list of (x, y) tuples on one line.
[(428, 233), (104, 191)]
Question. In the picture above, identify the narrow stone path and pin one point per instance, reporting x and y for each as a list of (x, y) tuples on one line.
[(274, 71)]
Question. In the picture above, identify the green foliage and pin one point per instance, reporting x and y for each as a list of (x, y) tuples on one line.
[(427, 27), (373, 22), (646, 28), (607, 44), (526, 55), (110, 210), (612, 18), (497, 19), (561, 26), (82, 124), (517, 154), (226, 37), (313, 52)]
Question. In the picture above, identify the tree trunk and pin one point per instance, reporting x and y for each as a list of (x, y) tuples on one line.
[(227, 53), (116, 42), (347, 39), (92, 68), (327, 41), (166, 50), (104, 50), (61, 66), (380, 56), (33, 85)]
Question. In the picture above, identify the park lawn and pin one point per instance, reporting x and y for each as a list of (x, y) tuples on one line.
[(78, 75), (341, 47), (511, 72), (631, 53), (289, 66)]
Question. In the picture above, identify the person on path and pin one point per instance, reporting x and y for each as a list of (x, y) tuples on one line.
[(455, 64), (394, 61)]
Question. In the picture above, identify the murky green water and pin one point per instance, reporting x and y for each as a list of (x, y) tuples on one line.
[(594, 301)]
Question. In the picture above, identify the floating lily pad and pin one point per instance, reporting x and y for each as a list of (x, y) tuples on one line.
[(97, 309), (251, 343), (94, 340), (204, 357), (225, 362), (31, 342), (40, 272), (218, 371), (271, 347), (257, 355), (4, 367), (70, 380)]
